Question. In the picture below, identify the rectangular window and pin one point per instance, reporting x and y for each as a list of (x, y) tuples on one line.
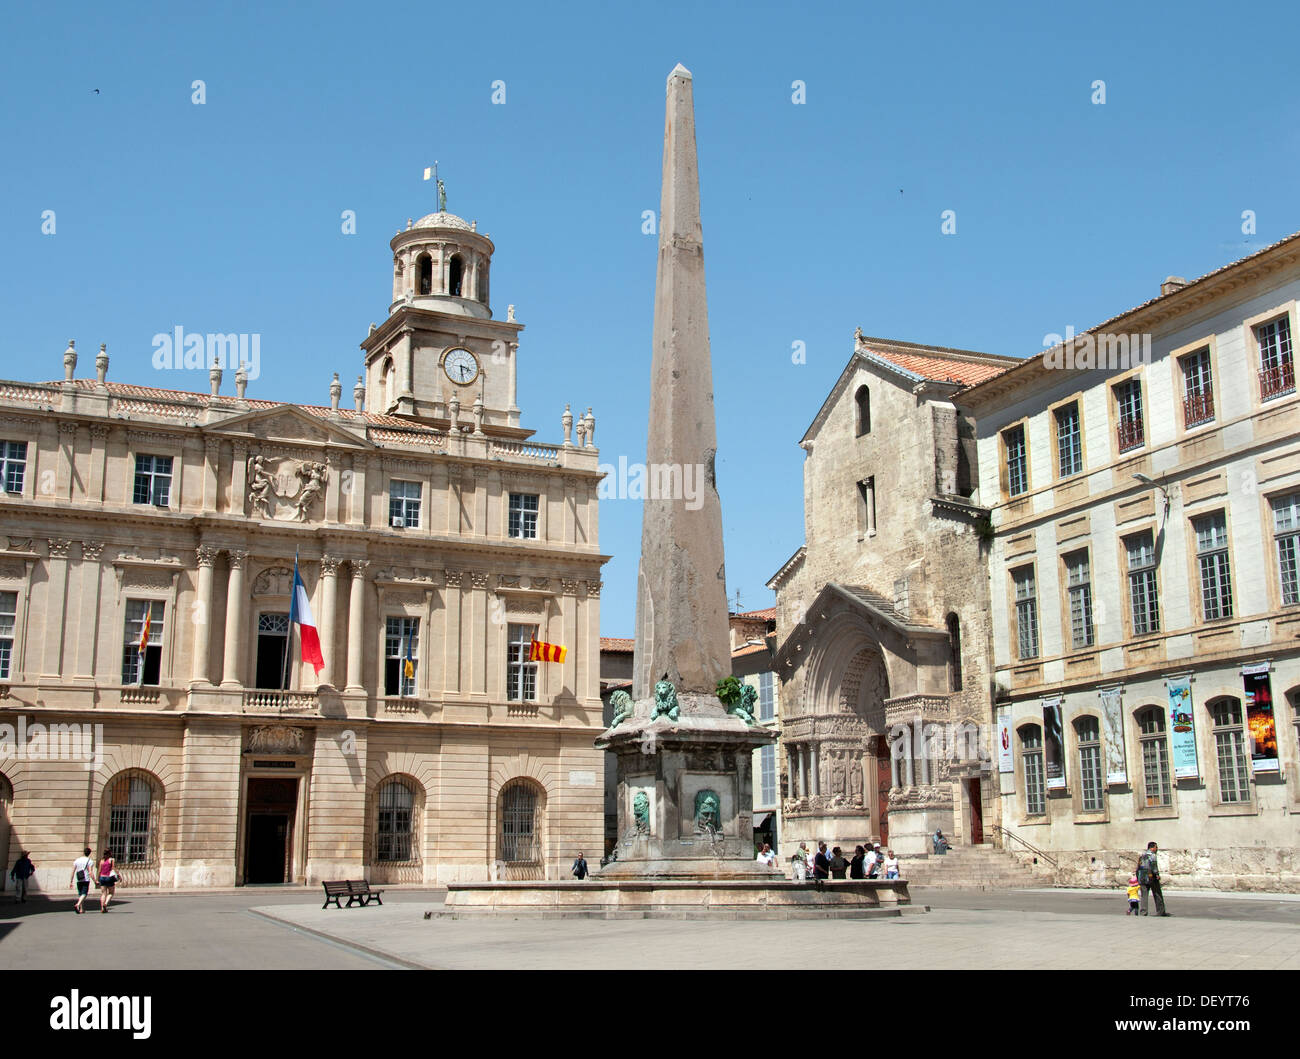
[(1286, 531), (1155, 760), (401, 656), (143, 667), (404, 504), (1035, 786), (1079, 584), (523, 516), (767, 784), (1017, 461), (1090, 764), (1198, 393), (1069, 445), (8, 618), (1230, 752), (766, 696), (1129, 428), (13, 466), (521, 674), (1212, 557), (153, 480), (1026, 612), (1145, 606), (1276, 367)]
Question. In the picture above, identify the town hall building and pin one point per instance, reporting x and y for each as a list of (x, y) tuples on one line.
[(147, 552)]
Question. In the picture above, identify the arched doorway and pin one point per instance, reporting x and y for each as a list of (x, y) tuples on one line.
[(131, 825)]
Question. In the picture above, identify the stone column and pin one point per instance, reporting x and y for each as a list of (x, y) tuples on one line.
[(202, 618), (356, 626), (56, 604), (893, 772), (923, 753), (329, 568), (232, 660), (801, 752), (814, 766)]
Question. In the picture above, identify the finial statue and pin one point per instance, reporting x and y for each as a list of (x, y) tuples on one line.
[(69, 361), (359, 394), (214, 376), (590, 420), (101, 363), (241, 380), (336, 391), (566, 421), (510, 314), (442, 197)]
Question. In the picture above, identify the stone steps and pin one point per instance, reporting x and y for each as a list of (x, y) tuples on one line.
[(974, 867)]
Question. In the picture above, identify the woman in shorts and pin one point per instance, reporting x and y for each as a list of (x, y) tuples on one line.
[(107, 880)]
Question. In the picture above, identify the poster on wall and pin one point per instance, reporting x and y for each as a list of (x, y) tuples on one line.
[(1053, 743), (1182, 735), (1259, 718), (1113, 732), (1006, 760)]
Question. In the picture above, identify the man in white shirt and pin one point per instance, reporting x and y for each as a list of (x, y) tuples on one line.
[(766, 857), (82, 869), (869, 864)]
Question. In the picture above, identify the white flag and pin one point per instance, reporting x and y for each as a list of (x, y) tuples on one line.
[(428, 173)]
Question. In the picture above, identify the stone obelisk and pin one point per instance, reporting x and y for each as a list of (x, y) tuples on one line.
[(681, 619), (685, 790)]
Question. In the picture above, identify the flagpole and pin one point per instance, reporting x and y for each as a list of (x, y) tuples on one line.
[(288, 640)]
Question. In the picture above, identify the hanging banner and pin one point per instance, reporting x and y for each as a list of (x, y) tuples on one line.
[(1053, 743), (1112, 717), (1259, 718), (1182, 736), (1006, 759)]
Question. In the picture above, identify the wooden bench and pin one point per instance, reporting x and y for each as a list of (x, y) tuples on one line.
[(357, 891)]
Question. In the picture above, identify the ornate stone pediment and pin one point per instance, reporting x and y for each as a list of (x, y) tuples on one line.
[(291, 425)]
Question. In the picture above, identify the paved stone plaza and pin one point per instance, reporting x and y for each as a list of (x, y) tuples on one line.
[(277, 929)]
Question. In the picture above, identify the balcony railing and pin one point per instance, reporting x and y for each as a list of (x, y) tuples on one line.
[(261, 700), (1198, 408), (1130, 434), (1277, 380)]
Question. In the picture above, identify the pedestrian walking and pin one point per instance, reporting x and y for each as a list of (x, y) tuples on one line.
[(107, 880), (891, 865), (1148, 877), (580, 867), (1133, 891), (766, 857), (82, 868), (856, 864), (22, 870), (799, 862)]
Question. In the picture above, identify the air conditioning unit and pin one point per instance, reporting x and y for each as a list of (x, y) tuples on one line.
[(398, 522)]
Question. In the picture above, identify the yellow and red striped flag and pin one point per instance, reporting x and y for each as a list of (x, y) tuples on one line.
[(547, 652)]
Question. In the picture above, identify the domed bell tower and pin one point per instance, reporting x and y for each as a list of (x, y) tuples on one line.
[(440, 349)]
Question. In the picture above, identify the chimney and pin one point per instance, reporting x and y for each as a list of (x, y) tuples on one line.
[(1171, 284)]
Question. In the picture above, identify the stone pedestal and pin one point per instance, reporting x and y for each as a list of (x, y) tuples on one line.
[(685, 795)]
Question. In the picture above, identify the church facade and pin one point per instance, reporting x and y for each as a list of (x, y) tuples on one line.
[(881, 616), (152, 701)]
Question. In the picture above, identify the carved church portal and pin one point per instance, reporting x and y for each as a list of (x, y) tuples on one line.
[(268, 837)]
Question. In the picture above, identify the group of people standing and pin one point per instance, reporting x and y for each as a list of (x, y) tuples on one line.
[(868, 862), (84, 869)]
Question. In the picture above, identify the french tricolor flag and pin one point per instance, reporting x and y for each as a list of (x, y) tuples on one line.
[(300, 615)]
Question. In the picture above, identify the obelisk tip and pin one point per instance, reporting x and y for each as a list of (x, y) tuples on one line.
[(679, 71)]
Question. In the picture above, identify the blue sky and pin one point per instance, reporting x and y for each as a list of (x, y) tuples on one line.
[(817, 217)]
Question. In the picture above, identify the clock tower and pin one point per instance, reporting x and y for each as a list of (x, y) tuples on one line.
[(440, 351)]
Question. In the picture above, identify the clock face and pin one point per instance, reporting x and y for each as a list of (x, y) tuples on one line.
[(461, 366)]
